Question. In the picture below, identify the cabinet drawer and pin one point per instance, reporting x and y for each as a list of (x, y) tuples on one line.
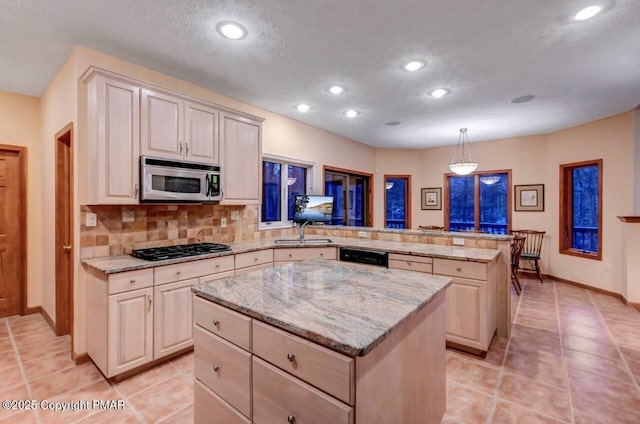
[(192, 269), (214, 277), (242, 271), (410, 265), (304, 253), (321, 367), (222, 321), (131, 280), (278, 396), (209, 408), (465, 269), (224, 368), (411, 258), (258, 257)]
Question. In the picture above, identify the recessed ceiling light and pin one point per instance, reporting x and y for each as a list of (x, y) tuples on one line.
[(413, 66), (231, 30), (587, 13), (303, 107), (523, 99), (439, 92), (336, 89), (393, 123), (352, 113)]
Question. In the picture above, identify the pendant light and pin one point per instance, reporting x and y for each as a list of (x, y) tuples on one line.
[(463, 162)]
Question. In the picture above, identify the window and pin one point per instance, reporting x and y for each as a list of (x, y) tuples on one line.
[(397, 200), (581, 209), (479, 202), (351, 193), (282, 179)]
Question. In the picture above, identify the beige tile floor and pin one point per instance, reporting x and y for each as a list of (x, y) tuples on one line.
[(574, 357)]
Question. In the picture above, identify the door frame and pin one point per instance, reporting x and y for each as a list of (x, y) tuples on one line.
[(348, 172), (22, 157), (64, 293), (407, 203)]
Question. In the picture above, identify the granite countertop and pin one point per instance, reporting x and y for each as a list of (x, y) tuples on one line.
[(114, 264), (347, 307)]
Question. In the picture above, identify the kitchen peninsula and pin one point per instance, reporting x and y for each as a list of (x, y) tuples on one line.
[(321, 341)]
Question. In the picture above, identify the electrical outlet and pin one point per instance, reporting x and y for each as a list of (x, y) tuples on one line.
[(223, 222), (362, 234), (91, 220), (458, 241), (128, 216), (235, 215)]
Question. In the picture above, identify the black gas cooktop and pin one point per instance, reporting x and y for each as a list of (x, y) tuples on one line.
[(179, 251)]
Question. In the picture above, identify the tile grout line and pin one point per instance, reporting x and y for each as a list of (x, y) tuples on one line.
[(494, 403), (617, 345), (565, 369), (127, 402), (22, 371)]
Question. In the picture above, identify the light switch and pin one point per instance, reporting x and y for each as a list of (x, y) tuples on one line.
[(91, 220), (223, 222)]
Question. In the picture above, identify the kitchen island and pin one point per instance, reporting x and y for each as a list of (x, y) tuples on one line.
[(319, 342)]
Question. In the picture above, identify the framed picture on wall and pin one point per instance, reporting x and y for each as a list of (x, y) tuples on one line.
[(431, 198), (529, 198)]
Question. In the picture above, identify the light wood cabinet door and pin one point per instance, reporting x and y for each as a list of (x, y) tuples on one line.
[(173, 317), (130, 330), (161, 125), (201, 133), (466, 306), (241, 151), (113, 132)]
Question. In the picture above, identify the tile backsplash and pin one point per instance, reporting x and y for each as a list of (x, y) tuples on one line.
[(164, 225)]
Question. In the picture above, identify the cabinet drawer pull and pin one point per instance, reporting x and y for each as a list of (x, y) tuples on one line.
[(216, 322), (186, 145), (290, 255), (216, 368), (178, 273), (408, 263), (149, 305), (181, 147), (291, 357), (135, 191), (321, 254), (291, 419), (458, 268), (132, 281), (255, 259), (217, 266)]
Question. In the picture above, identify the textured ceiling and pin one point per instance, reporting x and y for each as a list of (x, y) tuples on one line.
[(486, 52)]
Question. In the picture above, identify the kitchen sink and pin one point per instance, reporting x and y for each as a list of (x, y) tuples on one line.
[(297, 242)]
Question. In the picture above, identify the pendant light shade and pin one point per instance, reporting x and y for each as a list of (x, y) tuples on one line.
[(463, 162)]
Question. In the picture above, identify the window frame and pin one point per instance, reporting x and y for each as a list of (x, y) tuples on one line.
[(407, 205), (476, 189), (284, 163), (566, 206)]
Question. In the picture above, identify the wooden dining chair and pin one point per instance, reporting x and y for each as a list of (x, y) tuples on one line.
[(430, 228), (517, 244), (531, 249)]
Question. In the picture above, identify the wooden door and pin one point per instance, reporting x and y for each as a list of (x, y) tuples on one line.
[(201, 133), (161, 125), (241, 161), (12, 230), (173, 317), (130, 330), (64, 230)]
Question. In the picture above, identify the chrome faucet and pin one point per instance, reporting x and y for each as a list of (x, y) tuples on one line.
[(301, 229)]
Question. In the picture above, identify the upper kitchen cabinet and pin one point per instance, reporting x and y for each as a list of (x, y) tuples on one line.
[(174, 128), (241, 156), (112, 132)]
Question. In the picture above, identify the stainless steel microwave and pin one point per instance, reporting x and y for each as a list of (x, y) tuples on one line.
[(169, 181)]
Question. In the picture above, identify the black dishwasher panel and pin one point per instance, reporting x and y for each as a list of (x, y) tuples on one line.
[(364, 256)]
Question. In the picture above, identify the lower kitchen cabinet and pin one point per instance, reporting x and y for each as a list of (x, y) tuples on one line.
[(130, 330), (289, 255), (172, 330)]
